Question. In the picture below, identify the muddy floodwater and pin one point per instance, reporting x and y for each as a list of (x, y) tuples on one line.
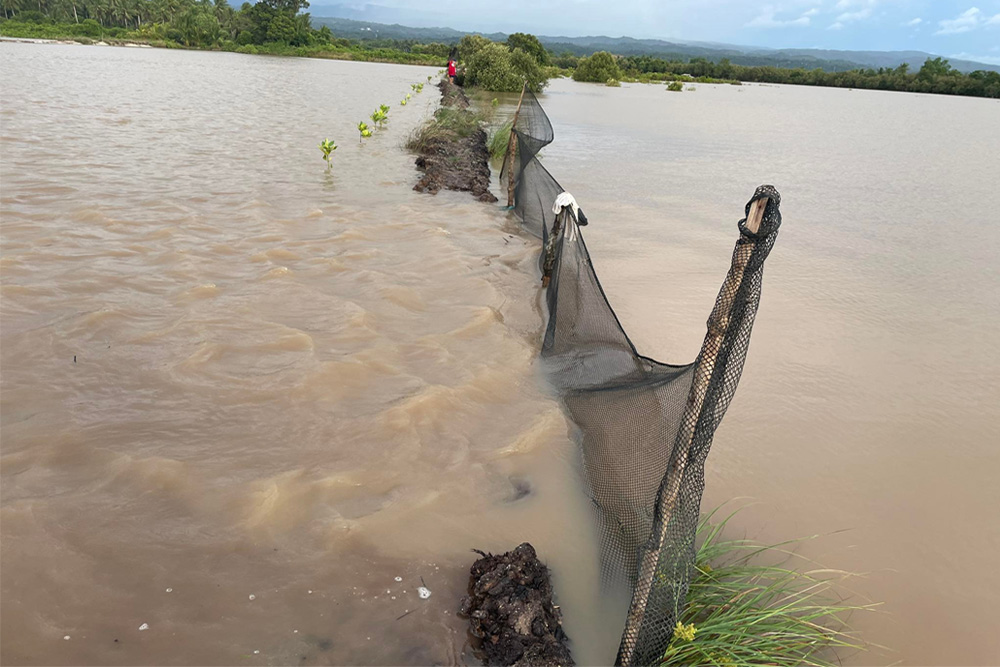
[(249, 406)]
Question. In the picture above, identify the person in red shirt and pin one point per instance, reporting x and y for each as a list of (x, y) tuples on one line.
[(451, 69)]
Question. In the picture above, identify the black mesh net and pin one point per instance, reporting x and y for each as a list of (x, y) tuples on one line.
[(646, 427)]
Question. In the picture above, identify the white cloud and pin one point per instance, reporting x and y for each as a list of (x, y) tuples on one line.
[(993, 20), (847, 17), (836, 26), (968, 20), (766, 19), (913, 23)]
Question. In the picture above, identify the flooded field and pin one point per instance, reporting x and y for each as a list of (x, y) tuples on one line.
[(254, 405)]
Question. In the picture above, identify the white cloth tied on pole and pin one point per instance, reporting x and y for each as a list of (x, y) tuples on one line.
[(562, 201)]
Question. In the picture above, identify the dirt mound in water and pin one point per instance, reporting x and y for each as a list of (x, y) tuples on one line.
[(510, 608), (455, 162)]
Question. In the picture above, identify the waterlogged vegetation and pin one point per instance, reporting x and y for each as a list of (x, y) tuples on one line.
[(743, 610)]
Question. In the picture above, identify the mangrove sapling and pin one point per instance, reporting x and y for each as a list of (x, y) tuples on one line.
[(363, 129), (741, 612), (675, 86), (378, 117), (327, 147), (402, 102)]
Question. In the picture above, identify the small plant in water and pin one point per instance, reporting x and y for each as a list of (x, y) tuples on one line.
[(378, 117), (402, 102), (408, 96), (428, 78), (363, 129), (675, 86), (327, 147)]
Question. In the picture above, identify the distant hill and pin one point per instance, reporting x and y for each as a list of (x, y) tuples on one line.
[(343, 23)]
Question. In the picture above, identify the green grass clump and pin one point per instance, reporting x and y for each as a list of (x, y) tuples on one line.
[(675, 86), (448, 124), (498, 140), (741, 612)]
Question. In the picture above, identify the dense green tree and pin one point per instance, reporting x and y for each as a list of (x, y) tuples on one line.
[(599, 67), (530, 45), (470, 44), (934, 67), (497, 68)]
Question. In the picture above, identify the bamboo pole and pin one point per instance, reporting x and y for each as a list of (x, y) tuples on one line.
[(512, 150), (666, 501)]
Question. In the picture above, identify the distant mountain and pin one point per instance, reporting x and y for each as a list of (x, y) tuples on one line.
[(343, 20)]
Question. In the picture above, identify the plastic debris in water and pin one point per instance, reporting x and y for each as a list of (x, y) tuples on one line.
[(67, 638), (399, 578), (170, 590), (144, 626), (253, 597), (424, 592), (256, 652)]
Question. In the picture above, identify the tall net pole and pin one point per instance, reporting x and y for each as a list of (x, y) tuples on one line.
[(698, 403), (512, 149)]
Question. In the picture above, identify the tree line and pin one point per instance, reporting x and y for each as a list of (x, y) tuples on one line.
[(286, 28), (936, 75), (196, 23)]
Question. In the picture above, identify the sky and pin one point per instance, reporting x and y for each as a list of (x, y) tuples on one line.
[(967, 29)]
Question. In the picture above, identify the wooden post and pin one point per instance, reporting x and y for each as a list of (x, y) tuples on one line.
[(666, 501), (512, 150), (550, 247)]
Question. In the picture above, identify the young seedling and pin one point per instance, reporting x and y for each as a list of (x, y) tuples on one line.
[(363, 129), (428, 78), (378, 116), (408, 96), (402, 102), (327, 147)]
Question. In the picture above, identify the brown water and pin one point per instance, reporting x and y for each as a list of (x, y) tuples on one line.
[(299, 385)]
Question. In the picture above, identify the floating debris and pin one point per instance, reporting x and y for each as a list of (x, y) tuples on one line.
[(170, 590), (253, 597), (424, 592), (67, 637), (144, 626), (399, 578)]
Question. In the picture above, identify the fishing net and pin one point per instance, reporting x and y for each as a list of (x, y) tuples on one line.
[(646, 427)]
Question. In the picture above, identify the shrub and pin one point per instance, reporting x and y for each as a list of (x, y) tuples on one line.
[(675, 86), (613, 83), (88, 28), (598, 68), (497, 68)]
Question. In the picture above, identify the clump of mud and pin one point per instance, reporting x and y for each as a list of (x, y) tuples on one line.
[(450, 159), (510, 609)]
